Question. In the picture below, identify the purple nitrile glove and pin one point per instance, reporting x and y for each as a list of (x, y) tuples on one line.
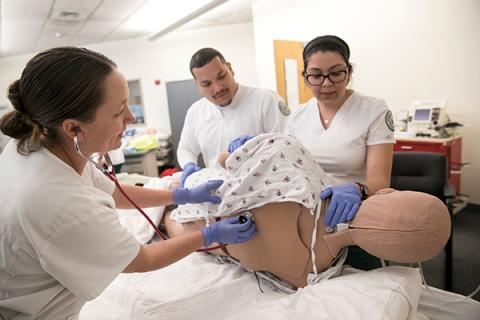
[(229, 231), (188, 169), (344, 204), (238, 142), (199, 194)]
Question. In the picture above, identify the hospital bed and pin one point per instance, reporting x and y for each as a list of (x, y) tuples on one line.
[(201, 286)]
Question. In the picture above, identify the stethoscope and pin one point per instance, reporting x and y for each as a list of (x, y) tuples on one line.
[(107, 169)]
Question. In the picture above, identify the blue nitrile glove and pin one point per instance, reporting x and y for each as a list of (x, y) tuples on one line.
[(188, 169), (199, 194), (229, 231), (238, 142), (344, 204)]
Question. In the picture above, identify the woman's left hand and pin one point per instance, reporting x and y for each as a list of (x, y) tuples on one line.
[(199, 194), (344, 204)]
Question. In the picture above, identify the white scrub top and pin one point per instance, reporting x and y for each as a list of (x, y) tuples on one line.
[(341, 149), (61, 242), (208, 128)]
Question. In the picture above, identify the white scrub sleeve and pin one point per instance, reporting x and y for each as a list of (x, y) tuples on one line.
[(87, 254), (188, 148)]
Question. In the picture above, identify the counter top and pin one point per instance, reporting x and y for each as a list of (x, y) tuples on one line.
[(427, 139)]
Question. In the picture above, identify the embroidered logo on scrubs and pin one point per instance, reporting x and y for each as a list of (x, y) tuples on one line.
[(284, 109), (389, 120)]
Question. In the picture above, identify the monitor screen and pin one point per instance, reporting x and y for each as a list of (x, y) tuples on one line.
[(422, 115)]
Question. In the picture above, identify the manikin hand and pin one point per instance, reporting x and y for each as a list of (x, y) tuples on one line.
[(229, 231), (199, 194), (344, 205)]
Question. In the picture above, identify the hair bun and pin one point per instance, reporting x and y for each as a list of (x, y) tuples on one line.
[(14, 96)]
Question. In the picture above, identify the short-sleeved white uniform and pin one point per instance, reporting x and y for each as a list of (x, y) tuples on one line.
[(341, 149), (209, 128), (61, 242)]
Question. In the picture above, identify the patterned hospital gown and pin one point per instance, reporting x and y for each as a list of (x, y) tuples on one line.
[(267, 168)]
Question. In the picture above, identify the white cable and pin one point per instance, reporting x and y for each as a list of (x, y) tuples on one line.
[(383, 263), (335, 268), (207, 220), (463, 299), (314, 237), (474, 292), (424, 281)]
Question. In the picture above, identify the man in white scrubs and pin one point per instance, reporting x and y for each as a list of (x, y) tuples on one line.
[(227, 111)]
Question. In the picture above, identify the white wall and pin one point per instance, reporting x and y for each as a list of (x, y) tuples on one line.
[(403, 50), (10, 70), (166, 59)]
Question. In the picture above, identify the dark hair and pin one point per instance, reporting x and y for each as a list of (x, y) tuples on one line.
[(327, 43), (204, 56), (56, 84)]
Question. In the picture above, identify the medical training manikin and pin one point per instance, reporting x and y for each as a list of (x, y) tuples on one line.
[(275, 179)]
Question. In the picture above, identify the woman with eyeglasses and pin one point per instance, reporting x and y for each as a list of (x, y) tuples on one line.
[(349, 134)]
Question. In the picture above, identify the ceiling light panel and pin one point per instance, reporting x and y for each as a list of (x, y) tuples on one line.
[(157, 15), (27, 26)]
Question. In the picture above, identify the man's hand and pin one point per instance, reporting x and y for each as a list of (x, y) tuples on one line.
[(238, 142), (188, 169)]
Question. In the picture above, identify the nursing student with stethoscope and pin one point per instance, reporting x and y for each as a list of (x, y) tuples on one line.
[(61, 242)]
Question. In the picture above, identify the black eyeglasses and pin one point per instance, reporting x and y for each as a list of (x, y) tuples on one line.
[(317, 79)]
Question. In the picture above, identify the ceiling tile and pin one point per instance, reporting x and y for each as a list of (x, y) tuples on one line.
[(30, 25)]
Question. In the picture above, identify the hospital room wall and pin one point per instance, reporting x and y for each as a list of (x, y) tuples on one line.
[(166, 59), (402, 50)]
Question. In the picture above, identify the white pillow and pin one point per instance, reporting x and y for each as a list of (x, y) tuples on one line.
[(386, 293)]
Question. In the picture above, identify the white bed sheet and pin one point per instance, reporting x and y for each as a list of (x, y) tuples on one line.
[(199, 288), (195, 287), (444, 305), (134, 221)]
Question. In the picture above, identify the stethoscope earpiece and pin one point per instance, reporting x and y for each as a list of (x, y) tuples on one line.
[(75, 144), (104, 169)]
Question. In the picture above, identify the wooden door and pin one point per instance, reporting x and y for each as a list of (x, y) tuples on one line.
[(286, 54)]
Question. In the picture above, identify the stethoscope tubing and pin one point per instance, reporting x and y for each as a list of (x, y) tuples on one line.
[(108, 170)]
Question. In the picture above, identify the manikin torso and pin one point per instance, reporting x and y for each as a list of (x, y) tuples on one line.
[(400, 226)]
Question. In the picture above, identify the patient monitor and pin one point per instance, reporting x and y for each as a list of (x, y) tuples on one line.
[(424, 116)]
